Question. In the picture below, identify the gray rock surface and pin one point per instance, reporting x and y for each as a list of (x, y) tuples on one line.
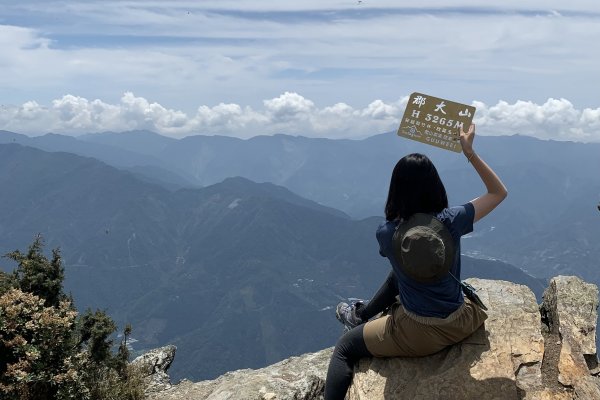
[(154, 364), (296, 378), (570, 307), (524, 351)]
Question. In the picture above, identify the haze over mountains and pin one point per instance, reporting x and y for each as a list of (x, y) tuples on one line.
[(241, 274), (554, 186)]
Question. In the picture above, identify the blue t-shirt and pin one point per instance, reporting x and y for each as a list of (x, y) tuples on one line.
[(437, 299)]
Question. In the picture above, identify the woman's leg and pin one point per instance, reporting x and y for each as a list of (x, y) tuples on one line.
[(385, 297), (349, 349)]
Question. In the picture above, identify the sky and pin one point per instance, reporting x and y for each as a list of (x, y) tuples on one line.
[(337, 69)]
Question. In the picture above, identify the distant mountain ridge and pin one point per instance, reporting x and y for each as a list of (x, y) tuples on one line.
[(144, 165), (237, 274), (547, 220)]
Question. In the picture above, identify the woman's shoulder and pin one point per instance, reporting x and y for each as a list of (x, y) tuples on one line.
[(458, 217), (386, 229), (384, 234), (463, 210)]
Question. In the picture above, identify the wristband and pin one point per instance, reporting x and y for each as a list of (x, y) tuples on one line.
[(470, 157)]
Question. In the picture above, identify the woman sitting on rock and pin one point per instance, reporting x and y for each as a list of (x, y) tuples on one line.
[(421, 239)]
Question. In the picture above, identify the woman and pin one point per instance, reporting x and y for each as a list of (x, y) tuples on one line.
[(421, 239)]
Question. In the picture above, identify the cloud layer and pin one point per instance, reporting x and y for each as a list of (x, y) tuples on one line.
[(185, 53), (289, 113)]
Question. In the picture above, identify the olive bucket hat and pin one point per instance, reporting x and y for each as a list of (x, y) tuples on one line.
[(424, 248)]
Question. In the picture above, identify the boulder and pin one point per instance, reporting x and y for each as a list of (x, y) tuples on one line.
[(569, 308), (499, 361)]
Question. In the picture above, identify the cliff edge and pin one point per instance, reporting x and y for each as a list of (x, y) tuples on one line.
[(524, 351)]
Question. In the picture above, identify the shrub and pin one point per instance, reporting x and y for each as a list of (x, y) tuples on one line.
[(47, 351), (36, 347)]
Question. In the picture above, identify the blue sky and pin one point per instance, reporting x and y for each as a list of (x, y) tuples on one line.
[(317, 68)]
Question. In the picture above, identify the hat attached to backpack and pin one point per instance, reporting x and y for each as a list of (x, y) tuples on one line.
[(424, 248)]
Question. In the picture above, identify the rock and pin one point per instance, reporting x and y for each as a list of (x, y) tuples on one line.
[(292, 379), (154, 364), (548, 394), (524, 351), (499, 361), (571, 308), (504, 359)]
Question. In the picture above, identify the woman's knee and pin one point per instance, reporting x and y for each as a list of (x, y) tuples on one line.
[(343, 348), (351, 346)]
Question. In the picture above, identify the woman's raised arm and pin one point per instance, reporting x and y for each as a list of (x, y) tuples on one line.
[(496, 191)]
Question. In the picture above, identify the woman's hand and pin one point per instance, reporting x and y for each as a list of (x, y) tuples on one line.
[(466, 140)]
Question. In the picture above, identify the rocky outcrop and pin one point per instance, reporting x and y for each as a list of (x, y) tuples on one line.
[(154, 365), (524, 351), (569, 309), (298, 378), (514, 356)]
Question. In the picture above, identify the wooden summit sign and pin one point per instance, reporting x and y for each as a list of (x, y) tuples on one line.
[(435, 121)]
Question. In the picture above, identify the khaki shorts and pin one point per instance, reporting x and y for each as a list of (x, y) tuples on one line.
[(401, 333)]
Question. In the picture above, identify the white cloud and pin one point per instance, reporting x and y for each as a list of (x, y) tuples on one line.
[(378, 110), (289, 113), (289, 107), (187, 52), (228, 119), (555, 119), (328, 59)]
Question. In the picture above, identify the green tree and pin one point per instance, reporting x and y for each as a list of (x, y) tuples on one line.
[(38, 275), (95, 330), (7, 282), (47, 352), (123, 354)]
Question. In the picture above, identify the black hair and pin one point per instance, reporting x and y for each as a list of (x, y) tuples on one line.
[(415, 187)]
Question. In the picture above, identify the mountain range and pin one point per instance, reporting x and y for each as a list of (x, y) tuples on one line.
[(544, 227), (236, 274)]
